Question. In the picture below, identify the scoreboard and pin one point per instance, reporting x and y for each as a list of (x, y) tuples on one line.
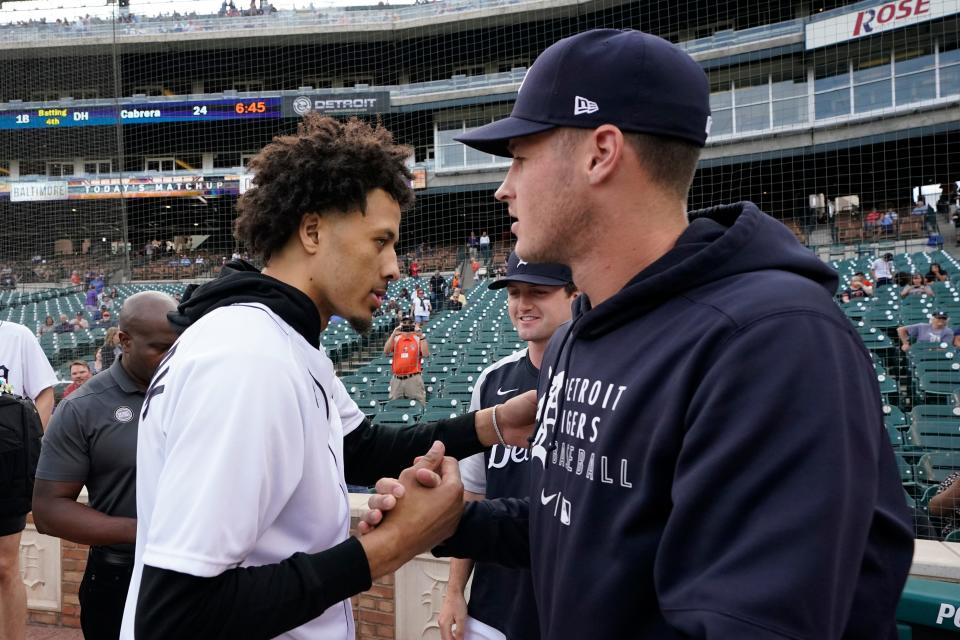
[(56, 116)]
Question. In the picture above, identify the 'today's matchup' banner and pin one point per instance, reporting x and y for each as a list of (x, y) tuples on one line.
[(133, 187)]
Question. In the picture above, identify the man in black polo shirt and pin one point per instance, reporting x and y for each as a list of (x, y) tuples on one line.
[(501, 599), (92, 441)]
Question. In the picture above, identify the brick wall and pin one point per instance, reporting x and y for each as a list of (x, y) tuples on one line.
[(374, 611), (73, 562)]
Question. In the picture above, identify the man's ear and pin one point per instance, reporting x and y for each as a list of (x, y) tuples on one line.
[(605, 144), (311, 232)]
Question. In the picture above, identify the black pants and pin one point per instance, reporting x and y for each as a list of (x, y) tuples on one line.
[(103, 592)]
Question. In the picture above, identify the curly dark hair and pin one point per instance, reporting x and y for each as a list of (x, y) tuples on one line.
[(328, 166)]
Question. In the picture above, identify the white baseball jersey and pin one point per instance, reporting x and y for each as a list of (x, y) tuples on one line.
[(22, 363), (240, 455)]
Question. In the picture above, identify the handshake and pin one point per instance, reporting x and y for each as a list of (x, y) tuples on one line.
[(422, 508)]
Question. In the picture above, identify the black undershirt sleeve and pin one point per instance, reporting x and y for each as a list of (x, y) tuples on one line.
[(371, 452), (251, 602), (495, 530)]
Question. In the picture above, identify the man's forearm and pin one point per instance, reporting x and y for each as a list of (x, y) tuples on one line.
[(460, 570), (70, 520), (492, 531), (250, 602), (371, 452)]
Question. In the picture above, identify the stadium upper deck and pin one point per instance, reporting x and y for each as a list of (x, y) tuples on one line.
[(827, 98)]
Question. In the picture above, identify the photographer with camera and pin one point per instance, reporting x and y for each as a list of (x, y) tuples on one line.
[(408, 346)]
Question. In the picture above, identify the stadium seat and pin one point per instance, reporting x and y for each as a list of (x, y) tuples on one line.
[(933, 468), (433, 415), (405, 405), (405, 418)]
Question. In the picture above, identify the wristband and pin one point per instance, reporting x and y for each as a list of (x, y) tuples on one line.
[(496, 427)]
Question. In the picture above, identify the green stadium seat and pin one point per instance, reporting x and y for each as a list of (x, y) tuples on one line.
[(933, 468), (405, 405), (405, 418), (433, 415)]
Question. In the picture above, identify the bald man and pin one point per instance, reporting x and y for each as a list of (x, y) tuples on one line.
[(92, 441)]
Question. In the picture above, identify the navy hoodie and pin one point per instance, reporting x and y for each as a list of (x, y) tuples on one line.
[(710, 459)]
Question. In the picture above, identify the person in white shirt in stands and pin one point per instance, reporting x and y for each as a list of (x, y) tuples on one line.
[(24, 367), (247, 438), (485, 248), (883, 270), (421, 307)]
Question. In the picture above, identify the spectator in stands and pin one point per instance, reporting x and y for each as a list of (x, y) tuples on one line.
[(944, 507), (81, 322), (26, 370), (888, 222), (484, 248), (934, 331), (930, 223), (916, 287), (455, 281), (404, 294), (408, 346), (105, 321), (90, 302), (857, 289), (936, 273), (114, 294), (79, 373), (475, 268), (48, 326), (421, 307), (438, 287), (457, 300), (414, 269), (109, 351), (98, 283), (65, 326), (75, 278), (883, 270), (473, 244)]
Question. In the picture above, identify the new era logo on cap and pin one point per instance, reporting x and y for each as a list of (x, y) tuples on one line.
[(582, 105)]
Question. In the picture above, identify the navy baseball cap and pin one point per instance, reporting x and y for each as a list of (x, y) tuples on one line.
[(519, 270), (636, 81)]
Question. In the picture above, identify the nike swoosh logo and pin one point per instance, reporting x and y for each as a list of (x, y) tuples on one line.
[(501, 392), (545, 499)]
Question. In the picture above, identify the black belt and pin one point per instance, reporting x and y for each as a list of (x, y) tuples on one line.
[(107, 556), (409, 375)]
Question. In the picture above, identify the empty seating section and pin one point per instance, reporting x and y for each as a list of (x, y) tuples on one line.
[(920, 389), (462, 344), (340, 341), (31, 309)]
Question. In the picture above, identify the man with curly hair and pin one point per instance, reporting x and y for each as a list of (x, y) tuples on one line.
[(243, 515)]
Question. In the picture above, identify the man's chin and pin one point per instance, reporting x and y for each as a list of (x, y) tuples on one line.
[(361, 325)]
